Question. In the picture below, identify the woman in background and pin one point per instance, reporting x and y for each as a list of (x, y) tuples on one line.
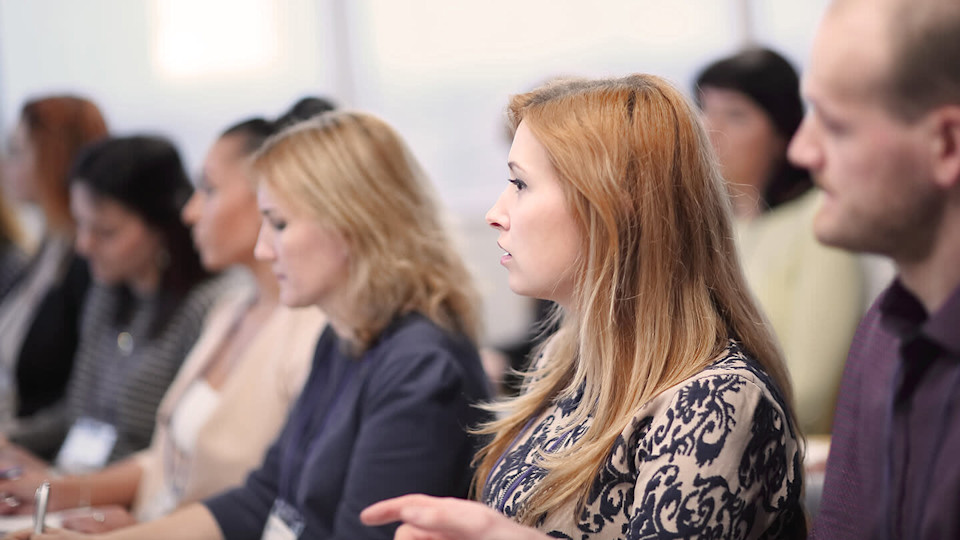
[(236, 386), (661, 407), (147, 307), (151, 293), (12, 261), (351, 225), (751, 106), (40, 313)]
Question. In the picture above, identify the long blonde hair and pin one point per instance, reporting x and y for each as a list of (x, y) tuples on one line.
[(353, 172), (659, 289)]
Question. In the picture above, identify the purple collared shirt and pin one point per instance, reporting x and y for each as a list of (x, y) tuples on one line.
[(894, 465)]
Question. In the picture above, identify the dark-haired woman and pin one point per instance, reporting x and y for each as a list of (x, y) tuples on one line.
[(236, 386), (751, 106), (144, 311)]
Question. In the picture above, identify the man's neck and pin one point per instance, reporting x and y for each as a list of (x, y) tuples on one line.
[(936, 276)]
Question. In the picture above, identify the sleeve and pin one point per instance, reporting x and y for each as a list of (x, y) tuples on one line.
[(719, 460), (46, 363), (44, 432), (412, 439), (242, 512)]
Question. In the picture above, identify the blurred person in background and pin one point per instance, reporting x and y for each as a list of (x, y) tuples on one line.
[(883, 142), (235, 389), (351, 225), (12, 261), (147, 306), (40, 312), (812, 294)]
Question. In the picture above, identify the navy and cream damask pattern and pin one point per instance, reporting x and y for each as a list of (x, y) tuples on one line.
[(713, 457)]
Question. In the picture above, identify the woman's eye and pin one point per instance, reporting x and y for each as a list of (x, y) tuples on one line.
[(520, 184), (278, 225)]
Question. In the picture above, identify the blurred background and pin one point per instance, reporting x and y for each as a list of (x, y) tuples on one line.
[(439, 70)]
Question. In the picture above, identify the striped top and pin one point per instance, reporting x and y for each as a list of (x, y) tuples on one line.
[(120, 375)]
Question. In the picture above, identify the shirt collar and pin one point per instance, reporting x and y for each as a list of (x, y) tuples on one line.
[(903, 313)]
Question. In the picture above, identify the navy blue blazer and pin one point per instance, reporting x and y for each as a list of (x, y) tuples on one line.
[(392, 422)]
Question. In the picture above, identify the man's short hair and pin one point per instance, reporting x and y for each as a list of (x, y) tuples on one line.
[(925, 68)]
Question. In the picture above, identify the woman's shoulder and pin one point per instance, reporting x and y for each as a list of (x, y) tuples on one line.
[(415, 333), (722, 437), (414, 347), (731, 397), (733, 372)]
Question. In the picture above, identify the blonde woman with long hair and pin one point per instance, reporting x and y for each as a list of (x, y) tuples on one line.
[(661, 408), (350, 225)]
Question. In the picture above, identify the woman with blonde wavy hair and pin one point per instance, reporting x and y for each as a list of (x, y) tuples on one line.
[(661, 407), (351, 226)]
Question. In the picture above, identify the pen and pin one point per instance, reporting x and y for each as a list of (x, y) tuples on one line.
[(40, 510)]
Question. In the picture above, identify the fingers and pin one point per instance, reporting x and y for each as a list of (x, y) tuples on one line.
[(388, 511), (87, 524), (451, 518), (409, 532), (98, 520), (433, 518), (13, 506)]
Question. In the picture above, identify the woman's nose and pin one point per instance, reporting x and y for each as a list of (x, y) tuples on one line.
[(497, 216)]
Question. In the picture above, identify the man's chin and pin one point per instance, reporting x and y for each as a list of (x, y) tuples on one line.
[(832, 236)]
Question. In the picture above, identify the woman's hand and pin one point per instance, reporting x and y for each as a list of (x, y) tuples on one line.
[(433, 518), (98, 520), (16, 493)]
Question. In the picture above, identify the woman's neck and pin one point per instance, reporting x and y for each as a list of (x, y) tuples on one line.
[(146, 286), (268, 292)]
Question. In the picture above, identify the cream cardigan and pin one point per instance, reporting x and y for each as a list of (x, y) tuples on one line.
[(813, 296), (254, 399)]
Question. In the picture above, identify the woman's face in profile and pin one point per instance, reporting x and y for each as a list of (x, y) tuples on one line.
[(309, 259), (119, 246), (743, 135), (222, 213), (20, 166), (538, 234)]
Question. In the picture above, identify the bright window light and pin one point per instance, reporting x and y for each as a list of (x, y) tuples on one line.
[(197, 38)]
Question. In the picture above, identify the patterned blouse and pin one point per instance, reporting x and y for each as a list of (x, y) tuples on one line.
[(713, 457)]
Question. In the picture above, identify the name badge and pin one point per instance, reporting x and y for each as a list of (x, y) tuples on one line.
[(87, 447), (284, 523)]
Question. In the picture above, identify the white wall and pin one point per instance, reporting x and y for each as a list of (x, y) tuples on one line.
[(183, 68), (440, 70)]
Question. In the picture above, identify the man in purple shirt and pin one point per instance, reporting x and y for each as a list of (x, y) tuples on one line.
[(883, 141)]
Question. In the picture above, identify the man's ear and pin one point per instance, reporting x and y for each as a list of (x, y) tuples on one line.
[(946, 149)]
